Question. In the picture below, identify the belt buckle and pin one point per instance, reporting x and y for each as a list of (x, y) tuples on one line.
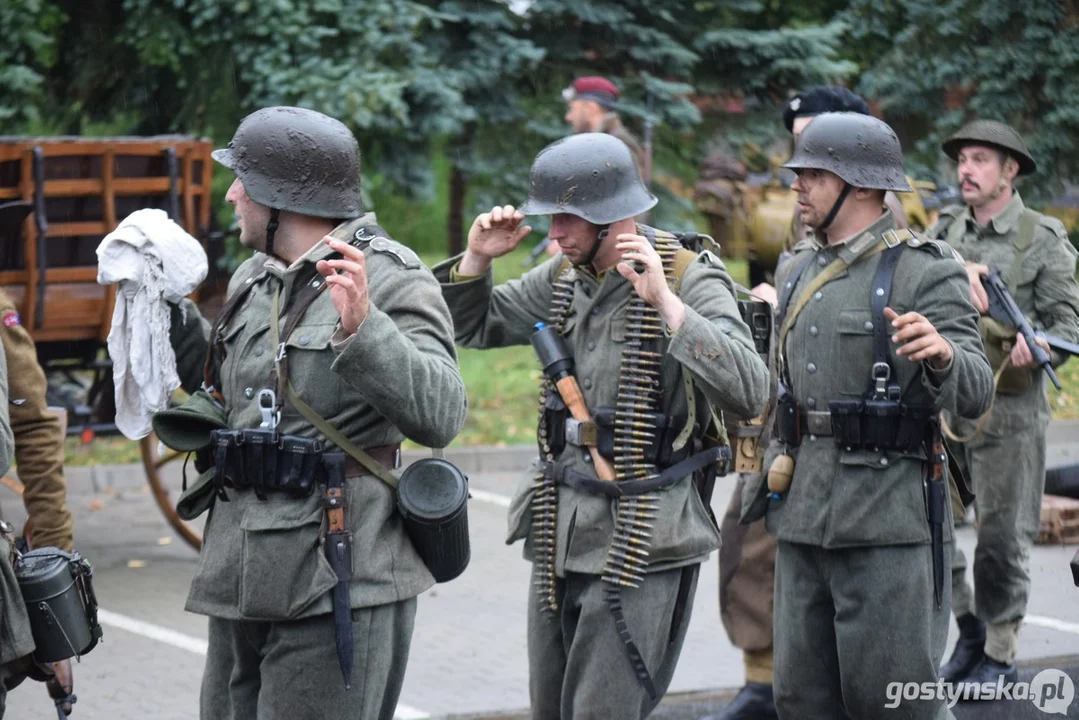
[(819, 423), (573, 432)]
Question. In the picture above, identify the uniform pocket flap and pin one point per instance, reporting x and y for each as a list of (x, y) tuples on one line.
[(284, 571), (854, 322), (311, 337)]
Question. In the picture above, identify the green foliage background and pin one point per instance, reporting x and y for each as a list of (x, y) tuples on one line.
[(451, 99)]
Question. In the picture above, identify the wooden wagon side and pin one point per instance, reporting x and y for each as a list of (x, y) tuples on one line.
[(79, 189)]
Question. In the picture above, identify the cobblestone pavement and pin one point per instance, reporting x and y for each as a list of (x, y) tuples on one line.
[(468, 653)]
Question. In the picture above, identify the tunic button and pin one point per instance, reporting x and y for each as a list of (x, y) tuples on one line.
[(258, 352), (591, 344), (818, 295), (811, 402), (304, 339), (587, 456), (813, 330), (811, 368), (587, 383), (880, 292), (868, 326), (884, 461), (822, 261), (812, 438), (249, 393)]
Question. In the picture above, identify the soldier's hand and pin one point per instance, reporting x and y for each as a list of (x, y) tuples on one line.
[(978, 296), (1021, 356), (651, 283), (918, 340), (347, 281), (766, 292), (495, 233)]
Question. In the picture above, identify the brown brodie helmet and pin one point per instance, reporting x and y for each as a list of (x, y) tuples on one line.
[(993, 134)]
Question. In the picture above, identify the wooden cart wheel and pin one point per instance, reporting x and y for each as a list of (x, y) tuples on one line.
[(153, 461)]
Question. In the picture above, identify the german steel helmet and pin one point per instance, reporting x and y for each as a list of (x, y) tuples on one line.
[(297, 160), (860, 149), (994, 134), (590, 175)]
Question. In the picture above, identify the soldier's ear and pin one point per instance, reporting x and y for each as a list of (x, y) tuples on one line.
[(1011, 169)]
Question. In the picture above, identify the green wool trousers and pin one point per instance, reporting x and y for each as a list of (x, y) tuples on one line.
[(578, 666), (850, 622), (1008, 475), (289, 670)]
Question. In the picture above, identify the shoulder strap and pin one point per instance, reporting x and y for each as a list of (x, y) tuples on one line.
[(883, 378), (826, 275), (210, 367), (1024, 239), (682, 260), (788, 287)]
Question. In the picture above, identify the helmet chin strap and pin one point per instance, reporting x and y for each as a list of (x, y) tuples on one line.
[(271, 229), (835, 207), (595, 246)]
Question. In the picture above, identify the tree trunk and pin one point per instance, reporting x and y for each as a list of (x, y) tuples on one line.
[(455, 225)]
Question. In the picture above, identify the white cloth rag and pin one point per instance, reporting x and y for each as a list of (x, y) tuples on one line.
[(154, 260)]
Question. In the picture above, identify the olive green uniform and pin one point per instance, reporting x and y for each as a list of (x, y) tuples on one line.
[(262, 576), (578, 664), (854, 569), (1006, 460), (39, 436)]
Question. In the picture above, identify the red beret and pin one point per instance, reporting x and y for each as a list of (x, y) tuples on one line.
[(592, 87)]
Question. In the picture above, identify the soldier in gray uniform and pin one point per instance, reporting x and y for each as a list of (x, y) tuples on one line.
[(657, 343), (1005, 453), (877, 334), (332, 335)]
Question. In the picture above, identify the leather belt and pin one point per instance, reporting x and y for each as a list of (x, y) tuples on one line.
[(388, 456), (817, 422)]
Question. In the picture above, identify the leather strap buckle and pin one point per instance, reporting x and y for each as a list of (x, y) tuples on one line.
[(581, 434)]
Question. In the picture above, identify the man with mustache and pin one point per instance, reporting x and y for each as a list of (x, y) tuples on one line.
[(877, 333), (1005, 455)]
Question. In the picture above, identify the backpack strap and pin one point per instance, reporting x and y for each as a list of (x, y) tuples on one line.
[(1024, 239)]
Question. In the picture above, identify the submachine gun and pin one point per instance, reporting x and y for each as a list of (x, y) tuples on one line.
[(1003, 309)]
